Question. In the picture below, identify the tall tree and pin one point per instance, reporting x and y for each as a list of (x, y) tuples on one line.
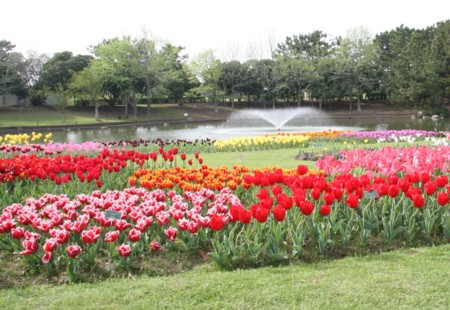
[(207, 68), (57, 72), (11, 67), (231, 78), (88, 84), (120, 70), (357, 64)]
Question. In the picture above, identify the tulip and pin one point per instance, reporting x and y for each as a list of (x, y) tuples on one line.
[(134, 235), (325, 210), (111, 236), (47, 257), (155, 246), (30, 246), (73, 250), (279, 213), (89, 236), (124, 250), (171, 233), (50, 245), (443, 198), (217, 222), (17, 232)]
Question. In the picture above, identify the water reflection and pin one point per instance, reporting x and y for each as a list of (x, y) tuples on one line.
[(190, 131)]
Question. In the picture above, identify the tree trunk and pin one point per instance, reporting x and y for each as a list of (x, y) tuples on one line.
[(300, 99), (97, 117), (358, 103), (232, 101), (215, 101), (133, 105), (149, 101)]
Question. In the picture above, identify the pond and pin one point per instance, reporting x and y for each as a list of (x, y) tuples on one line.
[(248, 123)]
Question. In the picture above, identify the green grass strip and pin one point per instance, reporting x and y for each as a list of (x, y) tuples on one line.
[(415, 278)]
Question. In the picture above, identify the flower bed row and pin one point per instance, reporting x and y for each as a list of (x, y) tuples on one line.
[(238, 215)]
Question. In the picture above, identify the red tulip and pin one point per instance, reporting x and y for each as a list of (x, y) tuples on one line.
[(302, 169), (134, 235), (325, 210), (260, 213), (279, 213), (328, 198), (352, 201), (50, 245), (285, 201), (183, 156), (217, 222), (430, 188), (30, 246), (306, 207), (244, 216), (89, 236), (442, 180), (442, 198), (124, 250), (393, 191), (155, 246), (171, 233), (276, 190), (418, 201), (111, 236), (17, 232), (315, 193), (47, 257), (121, 224)]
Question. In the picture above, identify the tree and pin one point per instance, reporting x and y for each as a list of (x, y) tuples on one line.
[(88, 84), (208, 69), (312, 54), (231, 78), (357, 64), (174, 75), (57, 72), (59, 99), (411, 64), (11, 64), (119, 69)]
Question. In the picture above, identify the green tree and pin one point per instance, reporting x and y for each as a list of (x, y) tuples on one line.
[(59, 99), (11, 66), (208, 69), (88, 85), (57, 72), (357, 65), (119, 68)]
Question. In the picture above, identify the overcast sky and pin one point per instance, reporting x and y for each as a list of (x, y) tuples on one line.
[(233, 28)]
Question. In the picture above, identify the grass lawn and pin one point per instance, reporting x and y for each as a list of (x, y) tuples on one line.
[(281, 158), (415, 278), (46, 116)]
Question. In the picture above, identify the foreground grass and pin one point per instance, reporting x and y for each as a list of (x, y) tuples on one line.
[(409, 278)]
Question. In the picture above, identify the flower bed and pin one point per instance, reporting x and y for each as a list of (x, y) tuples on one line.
[(239, 216)]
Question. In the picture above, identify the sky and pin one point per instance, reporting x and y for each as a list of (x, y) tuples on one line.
[(234, 29)]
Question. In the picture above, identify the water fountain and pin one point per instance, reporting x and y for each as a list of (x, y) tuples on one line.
[(275, 117)]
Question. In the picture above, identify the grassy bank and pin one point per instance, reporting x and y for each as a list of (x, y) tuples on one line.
[(416, 278), (46, 116)]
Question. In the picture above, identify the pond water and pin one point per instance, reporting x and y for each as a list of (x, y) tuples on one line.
[(246, 124)]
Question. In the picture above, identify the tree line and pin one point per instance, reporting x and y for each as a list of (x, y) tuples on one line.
[(409, 67)]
